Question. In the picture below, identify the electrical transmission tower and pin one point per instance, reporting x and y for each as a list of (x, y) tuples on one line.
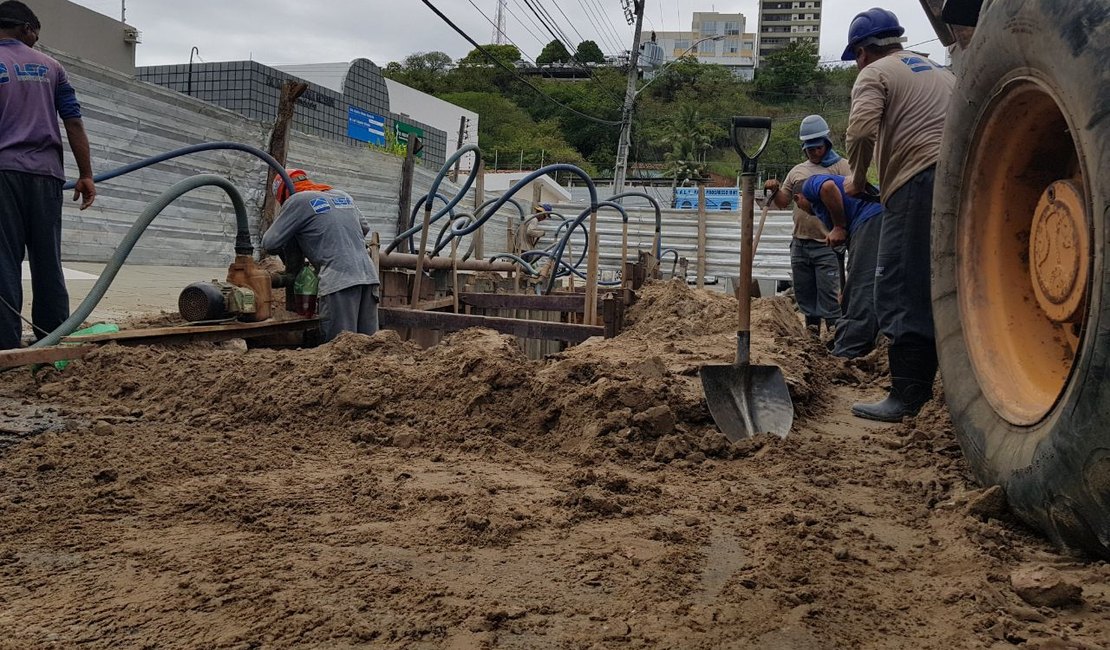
[(499, 30)]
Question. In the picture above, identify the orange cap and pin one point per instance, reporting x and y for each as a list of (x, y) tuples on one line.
[(280, 191)]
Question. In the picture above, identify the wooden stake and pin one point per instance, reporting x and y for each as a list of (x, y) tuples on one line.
[(279, 145), (702, 227)]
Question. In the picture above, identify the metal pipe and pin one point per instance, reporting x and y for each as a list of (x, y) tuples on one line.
[(409, 260)]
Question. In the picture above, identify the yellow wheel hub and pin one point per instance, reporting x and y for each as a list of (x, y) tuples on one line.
[(1059, 250)]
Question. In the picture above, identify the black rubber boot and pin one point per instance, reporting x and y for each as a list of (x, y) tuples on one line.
[(906, 398), (813, 326), (912, 369)]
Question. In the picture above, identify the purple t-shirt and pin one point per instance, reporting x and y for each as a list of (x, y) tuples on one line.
[(34, 92)]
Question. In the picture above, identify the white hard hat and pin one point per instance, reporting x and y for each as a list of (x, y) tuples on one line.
[(813, 127)]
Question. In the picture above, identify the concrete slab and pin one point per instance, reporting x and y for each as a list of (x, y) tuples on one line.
[(67, 273), (136, 290)]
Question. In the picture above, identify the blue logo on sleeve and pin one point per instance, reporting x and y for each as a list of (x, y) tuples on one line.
[(341, 202), (917, 64), (320, 205), (4, 78)]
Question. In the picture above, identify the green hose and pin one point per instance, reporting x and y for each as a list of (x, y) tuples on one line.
[(132, 237)]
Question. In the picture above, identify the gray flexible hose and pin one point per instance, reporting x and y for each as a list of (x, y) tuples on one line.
[(132, 237)]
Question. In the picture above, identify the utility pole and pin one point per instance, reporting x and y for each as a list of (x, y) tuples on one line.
[(637, 8)]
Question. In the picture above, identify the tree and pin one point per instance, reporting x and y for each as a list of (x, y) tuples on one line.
[(589, 52), (789, 71), (507, 54), (424, 71), (553, 52), (690, 136), (508, 128)]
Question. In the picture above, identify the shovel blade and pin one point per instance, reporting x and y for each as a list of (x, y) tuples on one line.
[(745, 400)]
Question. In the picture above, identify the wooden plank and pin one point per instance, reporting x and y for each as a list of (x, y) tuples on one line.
[(28, 356), (702, 227), (479, 198), (529, 329), (222, 332), (438, 303), (575, 303)]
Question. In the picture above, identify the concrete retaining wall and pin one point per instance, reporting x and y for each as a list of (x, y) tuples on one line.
[(128, 120)]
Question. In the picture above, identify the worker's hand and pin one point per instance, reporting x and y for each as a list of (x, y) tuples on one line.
[(836, 237), (772, 185), (850, 187), (86, 190)]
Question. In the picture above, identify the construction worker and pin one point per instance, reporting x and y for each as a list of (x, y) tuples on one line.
[(331, 231), (535, 231), (856, 223), (899, 101), (34, 93), (814, 267)]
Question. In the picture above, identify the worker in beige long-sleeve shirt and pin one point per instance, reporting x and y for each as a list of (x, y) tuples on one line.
[(899, 101)]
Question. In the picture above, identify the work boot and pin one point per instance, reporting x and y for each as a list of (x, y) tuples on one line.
[(813, 326), (912, 368), (906, 398)]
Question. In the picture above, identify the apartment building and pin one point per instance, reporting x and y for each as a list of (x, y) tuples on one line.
[(736, 49), (782, 23)]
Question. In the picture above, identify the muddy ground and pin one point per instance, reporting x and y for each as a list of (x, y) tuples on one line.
[(371, 494)]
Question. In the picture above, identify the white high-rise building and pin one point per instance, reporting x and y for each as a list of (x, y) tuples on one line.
[(782, 23)]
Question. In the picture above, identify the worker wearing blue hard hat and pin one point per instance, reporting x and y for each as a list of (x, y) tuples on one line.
[(899, 102), (814, 266)]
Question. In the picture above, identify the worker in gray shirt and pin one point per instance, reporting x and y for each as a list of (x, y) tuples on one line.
[(331, 231)]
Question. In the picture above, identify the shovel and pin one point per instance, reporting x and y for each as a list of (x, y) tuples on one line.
[(745, 399)]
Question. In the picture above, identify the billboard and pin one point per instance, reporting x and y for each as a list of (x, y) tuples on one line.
[(716, 198), (365, 126)]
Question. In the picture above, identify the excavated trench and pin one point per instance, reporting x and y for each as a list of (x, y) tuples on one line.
[(370, 493)]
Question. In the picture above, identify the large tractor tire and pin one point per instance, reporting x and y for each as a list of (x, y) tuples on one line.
[(1021, 279)]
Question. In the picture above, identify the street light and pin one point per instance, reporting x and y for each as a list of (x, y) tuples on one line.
[(189, 86), (630, 95)]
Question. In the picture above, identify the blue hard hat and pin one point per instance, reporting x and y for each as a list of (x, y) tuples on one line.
[(873, 22)]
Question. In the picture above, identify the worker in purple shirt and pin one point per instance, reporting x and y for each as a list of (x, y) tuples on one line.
[(34, 93), (857, 223)]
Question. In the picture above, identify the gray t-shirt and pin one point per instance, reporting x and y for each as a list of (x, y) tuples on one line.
[(331, 231)]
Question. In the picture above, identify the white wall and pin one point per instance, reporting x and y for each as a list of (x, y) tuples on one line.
[(435, 112)]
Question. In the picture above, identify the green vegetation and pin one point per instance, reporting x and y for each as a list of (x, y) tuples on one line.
[(392, 146), (680, 122), (553, 52)]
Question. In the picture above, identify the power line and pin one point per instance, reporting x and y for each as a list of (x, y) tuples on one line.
[(553, 28), (581, 94), (605, 37), (513, 72), (605, 18)]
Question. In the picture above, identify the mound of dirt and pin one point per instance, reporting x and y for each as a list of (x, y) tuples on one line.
[(636, 396), (368, 493)]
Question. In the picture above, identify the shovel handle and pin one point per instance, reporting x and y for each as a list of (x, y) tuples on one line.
[(747, 219)]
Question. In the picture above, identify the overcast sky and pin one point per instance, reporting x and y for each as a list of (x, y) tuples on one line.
[(279, 32)]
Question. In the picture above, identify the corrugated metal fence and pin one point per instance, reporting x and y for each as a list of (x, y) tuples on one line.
[(680, 232)]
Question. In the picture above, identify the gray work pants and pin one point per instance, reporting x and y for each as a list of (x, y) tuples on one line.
[(31, 223), (902, 294), (354, 309), (815, 270), (858, 328)]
